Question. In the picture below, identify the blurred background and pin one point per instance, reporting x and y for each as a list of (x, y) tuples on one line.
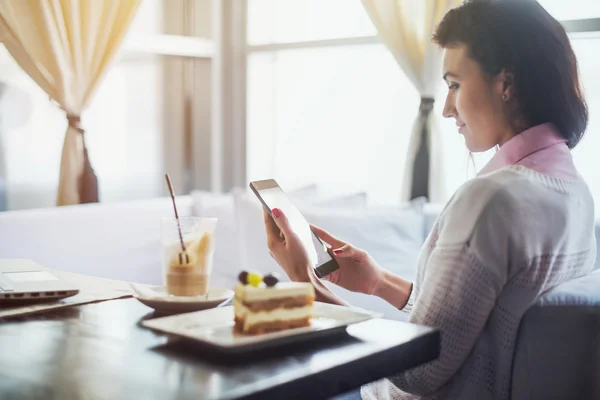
[(218, 93)]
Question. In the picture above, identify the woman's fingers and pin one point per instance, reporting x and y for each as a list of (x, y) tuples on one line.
[(349, 252), (273, 232), (281, 221), (327, 237), (344, 251)]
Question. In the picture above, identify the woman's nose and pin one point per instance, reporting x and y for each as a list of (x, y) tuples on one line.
[(449, 110)]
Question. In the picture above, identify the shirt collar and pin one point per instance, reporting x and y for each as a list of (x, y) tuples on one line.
[(523, 145)]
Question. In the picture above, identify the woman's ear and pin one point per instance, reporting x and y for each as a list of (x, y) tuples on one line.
[(508, 84)]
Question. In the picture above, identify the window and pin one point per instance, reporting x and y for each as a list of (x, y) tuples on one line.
[(284, 21), (127, 121), (32, 151), (586, 153), (572, 9), (333, 116), (327, 103)]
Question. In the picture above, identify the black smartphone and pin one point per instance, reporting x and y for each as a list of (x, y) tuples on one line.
[(272, 196)]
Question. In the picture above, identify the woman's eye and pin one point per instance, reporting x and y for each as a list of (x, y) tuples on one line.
[(453, 86)]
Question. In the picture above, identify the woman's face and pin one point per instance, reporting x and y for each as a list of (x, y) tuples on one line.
[(475, 101)]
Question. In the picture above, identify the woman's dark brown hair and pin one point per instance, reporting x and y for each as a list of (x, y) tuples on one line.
[(523, 38)]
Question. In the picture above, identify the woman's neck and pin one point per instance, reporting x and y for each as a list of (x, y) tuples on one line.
[(513, 130)]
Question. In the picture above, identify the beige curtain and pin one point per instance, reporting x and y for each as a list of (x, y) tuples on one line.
[(66, 46), (406, 27)]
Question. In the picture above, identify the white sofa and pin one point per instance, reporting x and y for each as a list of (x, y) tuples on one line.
[(122, 240)]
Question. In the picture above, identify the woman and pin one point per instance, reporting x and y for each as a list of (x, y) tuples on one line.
[(522, 226)]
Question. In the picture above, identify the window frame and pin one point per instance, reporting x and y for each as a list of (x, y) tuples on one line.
[(191, 140)]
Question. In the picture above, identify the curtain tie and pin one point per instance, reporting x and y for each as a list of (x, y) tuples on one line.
[(75, 122), (426, 105), (421, 161)]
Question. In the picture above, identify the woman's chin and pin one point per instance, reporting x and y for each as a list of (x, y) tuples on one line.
[(469, 144), (475, 147), (478, 148)]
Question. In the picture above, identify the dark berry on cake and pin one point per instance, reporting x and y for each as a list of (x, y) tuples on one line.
[(243, 277), (271, 280)]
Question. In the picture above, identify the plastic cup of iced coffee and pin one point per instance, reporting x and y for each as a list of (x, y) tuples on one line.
[(187, 268)]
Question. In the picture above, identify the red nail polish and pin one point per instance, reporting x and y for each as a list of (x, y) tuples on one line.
[(337, 251), (276, 212)]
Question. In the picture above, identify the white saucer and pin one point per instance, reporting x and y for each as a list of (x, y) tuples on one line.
[(157, 298)]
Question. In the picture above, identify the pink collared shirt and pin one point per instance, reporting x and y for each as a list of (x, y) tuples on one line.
[(540, 148)]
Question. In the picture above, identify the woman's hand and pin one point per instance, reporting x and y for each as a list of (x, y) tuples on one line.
[(358, 271), (286, 247)]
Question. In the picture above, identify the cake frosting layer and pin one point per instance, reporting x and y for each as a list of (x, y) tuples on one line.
[(250, 293), (271, 304)]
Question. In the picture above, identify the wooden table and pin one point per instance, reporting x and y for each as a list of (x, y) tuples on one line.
[(98, 351)]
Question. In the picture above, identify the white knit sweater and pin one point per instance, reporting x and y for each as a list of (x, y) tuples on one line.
[(502, 240)]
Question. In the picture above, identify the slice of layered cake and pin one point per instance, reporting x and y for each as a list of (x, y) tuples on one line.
[(265, 305)]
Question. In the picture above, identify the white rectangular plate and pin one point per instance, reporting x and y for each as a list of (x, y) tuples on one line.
[(214, 327)]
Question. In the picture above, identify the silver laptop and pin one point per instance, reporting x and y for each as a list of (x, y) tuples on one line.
[(26, 281)]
